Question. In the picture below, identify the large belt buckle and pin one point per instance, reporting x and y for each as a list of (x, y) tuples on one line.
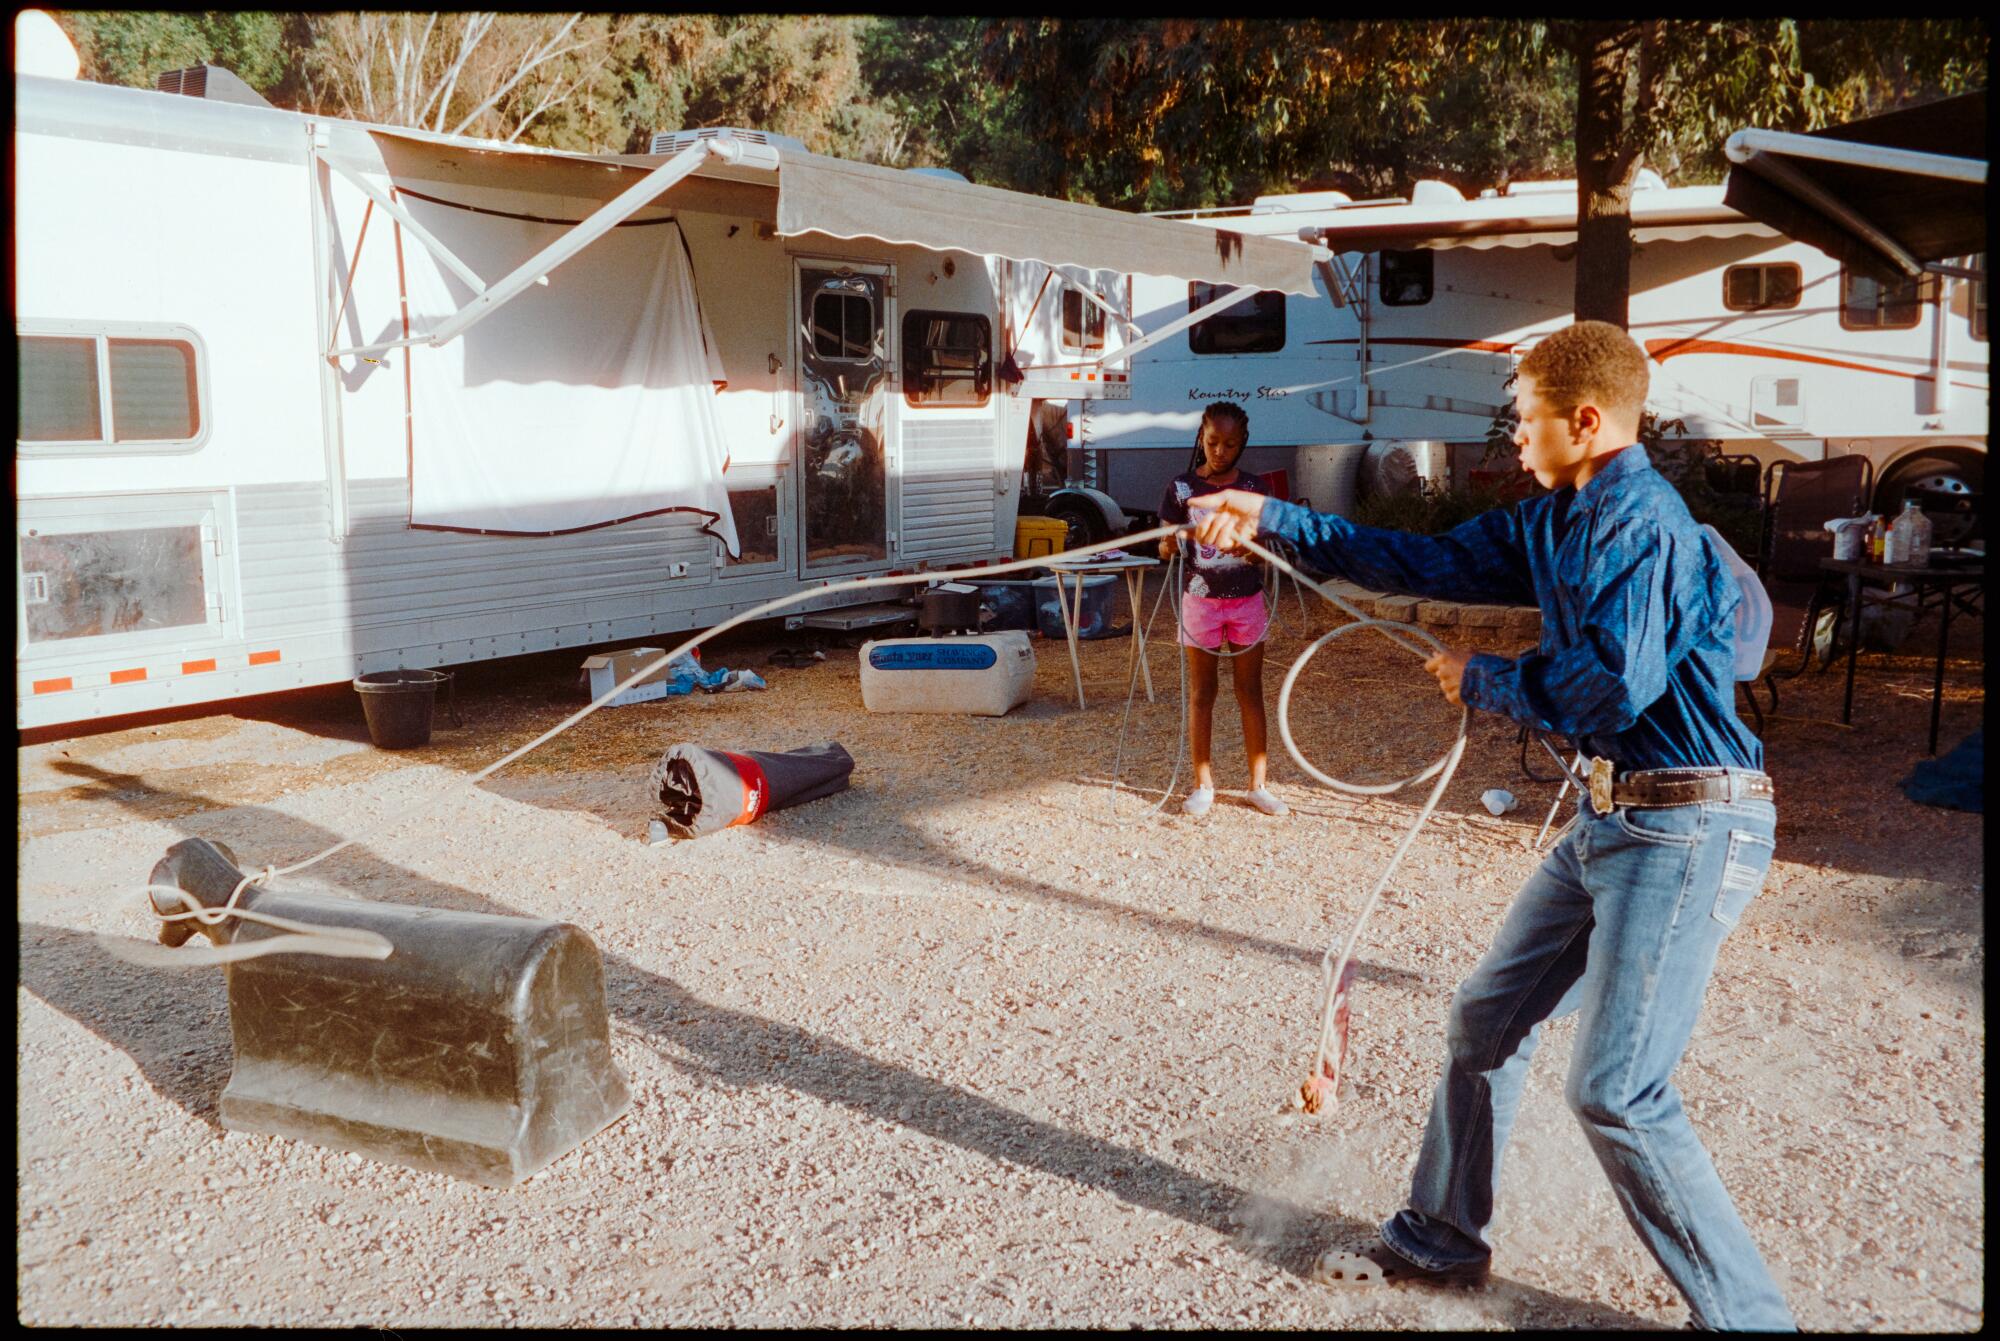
[(1600, 786)]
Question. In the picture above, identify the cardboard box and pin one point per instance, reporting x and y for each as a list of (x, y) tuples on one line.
[(609, 668)]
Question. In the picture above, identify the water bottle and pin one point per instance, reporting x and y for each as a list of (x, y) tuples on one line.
[(1912, 535)]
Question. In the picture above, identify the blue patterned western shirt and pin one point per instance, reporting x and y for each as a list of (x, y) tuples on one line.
[(1636, 661)]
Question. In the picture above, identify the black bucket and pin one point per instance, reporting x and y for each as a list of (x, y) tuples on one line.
[(398, 706)]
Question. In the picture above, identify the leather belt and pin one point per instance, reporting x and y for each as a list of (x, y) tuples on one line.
[(1658, 788)]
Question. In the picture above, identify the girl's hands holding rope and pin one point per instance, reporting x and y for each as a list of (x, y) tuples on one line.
[(1449, 667), (1233, 517)]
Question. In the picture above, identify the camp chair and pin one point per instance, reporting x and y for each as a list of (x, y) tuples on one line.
[(1801, 497)]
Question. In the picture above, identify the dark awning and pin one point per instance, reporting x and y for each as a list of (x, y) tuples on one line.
[(1883, 195)]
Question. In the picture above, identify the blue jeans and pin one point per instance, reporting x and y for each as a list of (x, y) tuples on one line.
[(1621, 923)]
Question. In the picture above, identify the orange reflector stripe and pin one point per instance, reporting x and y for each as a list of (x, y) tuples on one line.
[(128, 676), (262, 658), (52, 686), (197, 667)]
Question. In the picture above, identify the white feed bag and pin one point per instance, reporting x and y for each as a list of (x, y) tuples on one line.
[(1753, 616)]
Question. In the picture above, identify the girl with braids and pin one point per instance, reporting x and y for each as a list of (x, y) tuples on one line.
[(1222, 603)]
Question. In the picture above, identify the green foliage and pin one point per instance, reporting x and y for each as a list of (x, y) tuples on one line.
[(135, 48), (1133, 113), (1433, 507)]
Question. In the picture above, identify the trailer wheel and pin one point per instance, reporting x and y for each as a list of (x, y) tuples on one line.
[(1950, 484), (1085, 523)]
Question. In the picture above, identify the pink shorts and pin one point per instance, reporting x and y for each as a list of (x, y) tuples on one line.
[(1206, 621)]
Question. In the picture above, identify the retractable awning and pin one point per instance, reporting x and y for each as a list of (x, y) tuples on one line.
[(850, 200), (800, 193), (1534, 221), (1890, 195)]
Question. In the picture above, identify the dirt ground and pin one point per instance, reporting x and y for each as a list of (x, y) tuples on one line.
[(975, 1042)]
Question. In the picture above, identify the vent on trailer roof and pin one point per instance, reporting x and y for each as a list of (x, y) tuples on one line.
[(673, 141), (211, 82)]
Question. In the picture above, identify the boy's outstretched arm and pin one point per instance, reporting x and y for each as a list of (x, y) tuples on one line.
[(1484, 559)]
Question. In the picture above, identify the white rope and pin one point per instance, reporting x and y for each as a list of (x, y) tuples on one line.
[(347, 942), (1333, 969), (352, 942)]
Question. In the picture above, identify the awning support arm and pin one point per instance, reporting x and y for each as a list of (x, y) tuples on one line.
[(1798, 184), (404, 217), (629, 202), (1745, 145), (1179, 324), (536, 268)]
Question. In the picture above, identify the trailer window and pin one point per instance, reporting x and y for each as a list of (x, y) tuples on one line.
[(109, 388), (1761, 288), (1256, 325), (947, 358), (1082, 324), (1867, 304), (843, 326), (59, 394), (1407, 277)]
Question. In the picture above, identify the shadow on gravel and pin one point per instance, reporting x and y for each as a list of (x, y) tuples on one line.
[(174, 1026)]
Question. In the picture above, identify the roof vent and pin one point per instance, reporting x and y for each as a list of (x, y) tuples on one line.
[(211, 82), (947, 174), (673, 141)]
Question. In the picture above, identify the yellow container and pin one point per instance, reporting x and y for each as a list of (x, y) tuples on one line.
[(1037, 536)]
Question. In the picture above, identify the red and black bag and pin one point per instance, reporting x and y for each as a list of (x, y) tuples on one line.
[(702, 790)]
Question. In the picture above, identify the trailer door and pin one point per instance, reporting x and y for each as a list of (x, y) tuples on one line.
[(844, 362)]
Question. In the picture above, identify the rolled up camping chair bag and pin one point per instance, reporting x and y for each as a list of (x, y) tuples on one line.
[(701, 790)]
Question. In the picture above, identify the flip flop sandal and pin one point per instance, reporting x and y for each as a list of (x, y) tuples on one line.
[(1375, 1263)]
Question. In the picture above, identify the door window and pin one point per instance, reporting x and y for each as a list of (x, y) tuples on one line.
[(843, 385)]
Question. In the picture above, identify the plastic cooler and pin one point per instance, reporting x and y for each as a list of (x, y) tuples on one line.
[(1035, 537), (984, 674)]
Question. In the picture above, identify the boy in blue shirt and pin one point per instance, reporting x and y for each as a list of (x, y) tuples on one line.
[(1622, 922)]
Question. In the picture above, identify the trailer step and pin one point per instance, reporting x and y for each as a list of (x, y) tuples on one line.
[(856, 617)]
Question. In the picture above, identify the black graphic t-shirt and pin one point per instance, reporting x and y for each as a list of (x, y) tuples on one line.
[(1213, 573)]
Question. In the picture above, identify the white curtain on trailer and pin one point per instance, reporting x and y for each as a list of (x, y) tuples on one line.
[(584, 402)]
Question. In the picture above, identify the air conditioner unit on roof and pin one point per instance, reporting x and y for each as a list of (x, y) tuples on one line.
[(673, 141), (211, 82)]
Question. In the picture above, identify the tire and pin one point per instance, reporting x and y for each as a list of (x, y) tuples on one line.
[(1943, 474), (1085, 523)]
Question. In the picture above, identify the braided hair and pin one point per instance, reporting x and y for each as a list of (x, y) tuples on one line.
[(1227, 416)]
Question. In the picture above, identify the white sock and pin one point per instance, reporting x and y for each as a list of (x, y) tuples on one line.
[(1266, 802), (1198, 801)]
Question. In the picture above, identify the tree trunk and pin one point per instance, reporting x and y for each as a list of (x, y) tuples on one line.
[(1607, 160)]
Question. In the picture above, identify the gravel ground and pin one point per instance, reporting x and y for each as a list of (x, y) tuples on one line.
[(975, 1043)]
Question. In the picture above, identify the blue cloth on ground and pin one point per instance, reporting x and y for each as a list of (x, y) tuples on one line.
[(1956, 782)]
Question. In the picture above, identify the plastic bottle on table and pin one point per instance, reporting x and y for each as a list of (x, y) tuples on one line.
[(1912, 533), (1875, 538)]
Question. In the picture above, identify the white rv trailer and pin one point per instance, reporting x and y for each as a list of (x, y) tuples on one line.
[(304, 398), (1759, 341)]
